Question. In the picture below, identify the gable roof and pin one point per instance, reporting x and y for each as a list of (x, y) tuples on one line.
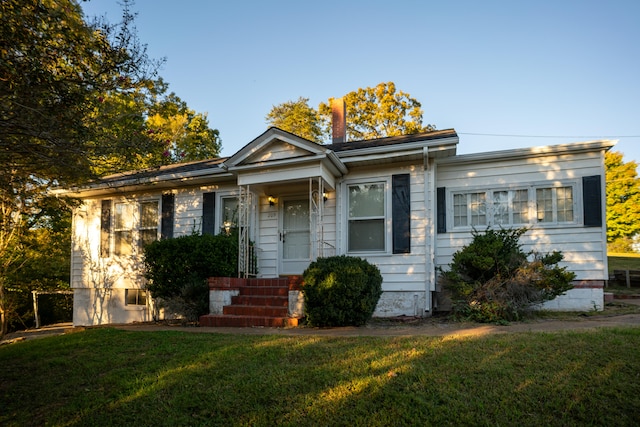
[(276, 148)]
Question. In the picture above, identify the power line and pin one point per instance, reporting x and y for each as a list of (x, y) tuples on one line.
[(549, 136)]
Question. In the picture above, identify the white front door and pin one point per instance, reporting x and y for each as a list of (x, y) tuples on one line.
[(294, 236)]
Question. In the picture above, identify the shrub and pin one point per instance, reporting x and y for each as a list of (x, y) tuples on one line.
[(341, 291), (177, 270), (493, 280)]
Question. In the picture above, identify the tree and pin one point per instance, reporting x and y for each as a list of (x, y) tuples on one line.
[(376, 112), (623, 201), (298, 118), (183, 134), (55, 74)]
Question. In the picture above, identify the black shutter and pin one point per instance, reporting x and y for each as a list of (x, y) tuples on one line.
[(105, 228), (166, 225), (592, 200), (208, 213), (401, 213), (441, 210)]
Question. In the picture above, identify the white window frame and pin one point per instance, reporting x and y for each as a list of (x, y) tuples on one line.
[(386, 219), (491, 207), (135, 222)]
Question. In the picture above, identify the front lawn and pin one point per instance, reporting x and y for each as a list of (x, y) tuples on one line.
[(105, 376)]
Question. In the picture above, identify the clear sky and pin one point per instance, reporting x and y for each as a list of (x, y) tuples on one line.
[(489, 69)]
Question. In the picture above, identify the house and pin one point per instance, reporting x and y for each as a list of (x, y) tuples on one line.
[(405, 204)]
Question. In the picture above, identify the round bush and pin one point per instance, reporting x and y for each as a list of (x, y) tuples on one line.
[(341, 291)]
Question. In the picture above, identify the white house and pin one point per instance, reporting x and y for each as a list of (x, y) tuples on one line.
[(405, 204)]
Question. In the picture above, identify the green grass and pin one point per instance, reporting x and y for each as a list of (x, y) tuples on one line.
[(107, 377), (623, 262)]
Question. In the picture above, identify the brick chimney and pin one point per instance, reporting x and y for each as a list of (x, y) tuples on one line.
[(338, 120)]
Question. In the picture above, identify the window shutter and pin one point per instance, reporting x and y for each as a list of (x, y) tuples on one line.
[(441, 211), (592, 200), (105, 228), (166, 225), (401, 213), (208, 213)]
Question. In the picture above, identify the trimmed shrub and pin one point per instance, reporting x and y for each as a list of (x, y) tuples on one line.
[(493, 280), (341, 291), (177, 270)]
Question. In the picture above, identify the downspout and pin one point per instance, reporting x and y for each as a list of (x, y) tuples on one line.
[(429, 197)]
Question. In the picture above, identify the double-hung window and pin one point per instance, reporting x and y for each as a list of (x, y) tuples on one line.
[(366, 217), (135, 224)]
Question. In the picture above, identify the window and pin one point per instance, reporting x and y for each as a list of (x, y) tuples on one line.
[(506, 207), (135, 297), (510, 207), (366, 217), (229, 214), (554, 204), (134, 221), (469, 209), (123, 229)]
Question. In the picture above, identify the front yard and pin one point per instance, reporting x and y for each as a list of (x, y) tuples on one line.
[(106, 377)]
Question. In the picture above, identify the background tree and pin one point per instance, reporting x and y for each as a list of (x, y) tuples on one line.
[(75, 98), (623, 202), (298, 118), (183, 134), (376, 112)]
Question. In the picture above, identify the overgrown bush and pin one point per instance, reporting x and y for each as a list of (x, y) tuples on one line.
[(341, 291), (177, 270), (493, 279)]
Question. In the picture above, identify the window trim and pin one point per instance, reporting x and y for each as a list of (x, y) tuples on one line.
[(387, 232), (139, 298), (531, 204)]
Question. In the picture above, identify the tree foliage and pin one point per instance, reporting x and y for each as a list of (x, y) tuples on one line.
[(372, 112), (298, 118), (75, 98), (376, 112), (623, 201)]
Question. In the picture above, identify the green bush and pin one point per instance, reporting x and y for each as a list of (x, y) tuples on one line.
[(341, 291), (493, 280), (177, 270)]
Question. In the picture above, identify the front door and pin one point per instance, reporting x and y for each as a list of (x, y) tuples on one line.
[(294, 236)]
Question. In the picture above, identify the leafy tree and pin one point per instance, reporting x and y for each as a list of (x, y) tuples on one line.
[(376, 112), (298, 118), (623, 201), (183, 134)]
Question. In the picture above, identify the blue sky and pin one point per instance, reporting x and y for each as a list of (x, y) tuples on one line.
[(532, 68)]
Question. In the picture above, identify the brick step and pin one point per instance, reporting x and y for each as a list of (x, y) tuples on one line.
[(264, 300), (279, 281), (265, 291), (252, 310), (227, 320)]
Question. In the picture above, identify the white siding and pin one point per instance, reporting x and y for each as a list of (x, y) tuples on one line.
[(405, 282), (584, 248)]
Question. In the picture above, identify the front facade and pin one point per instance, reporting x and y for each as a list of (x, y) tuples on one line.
[(405, 204)]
